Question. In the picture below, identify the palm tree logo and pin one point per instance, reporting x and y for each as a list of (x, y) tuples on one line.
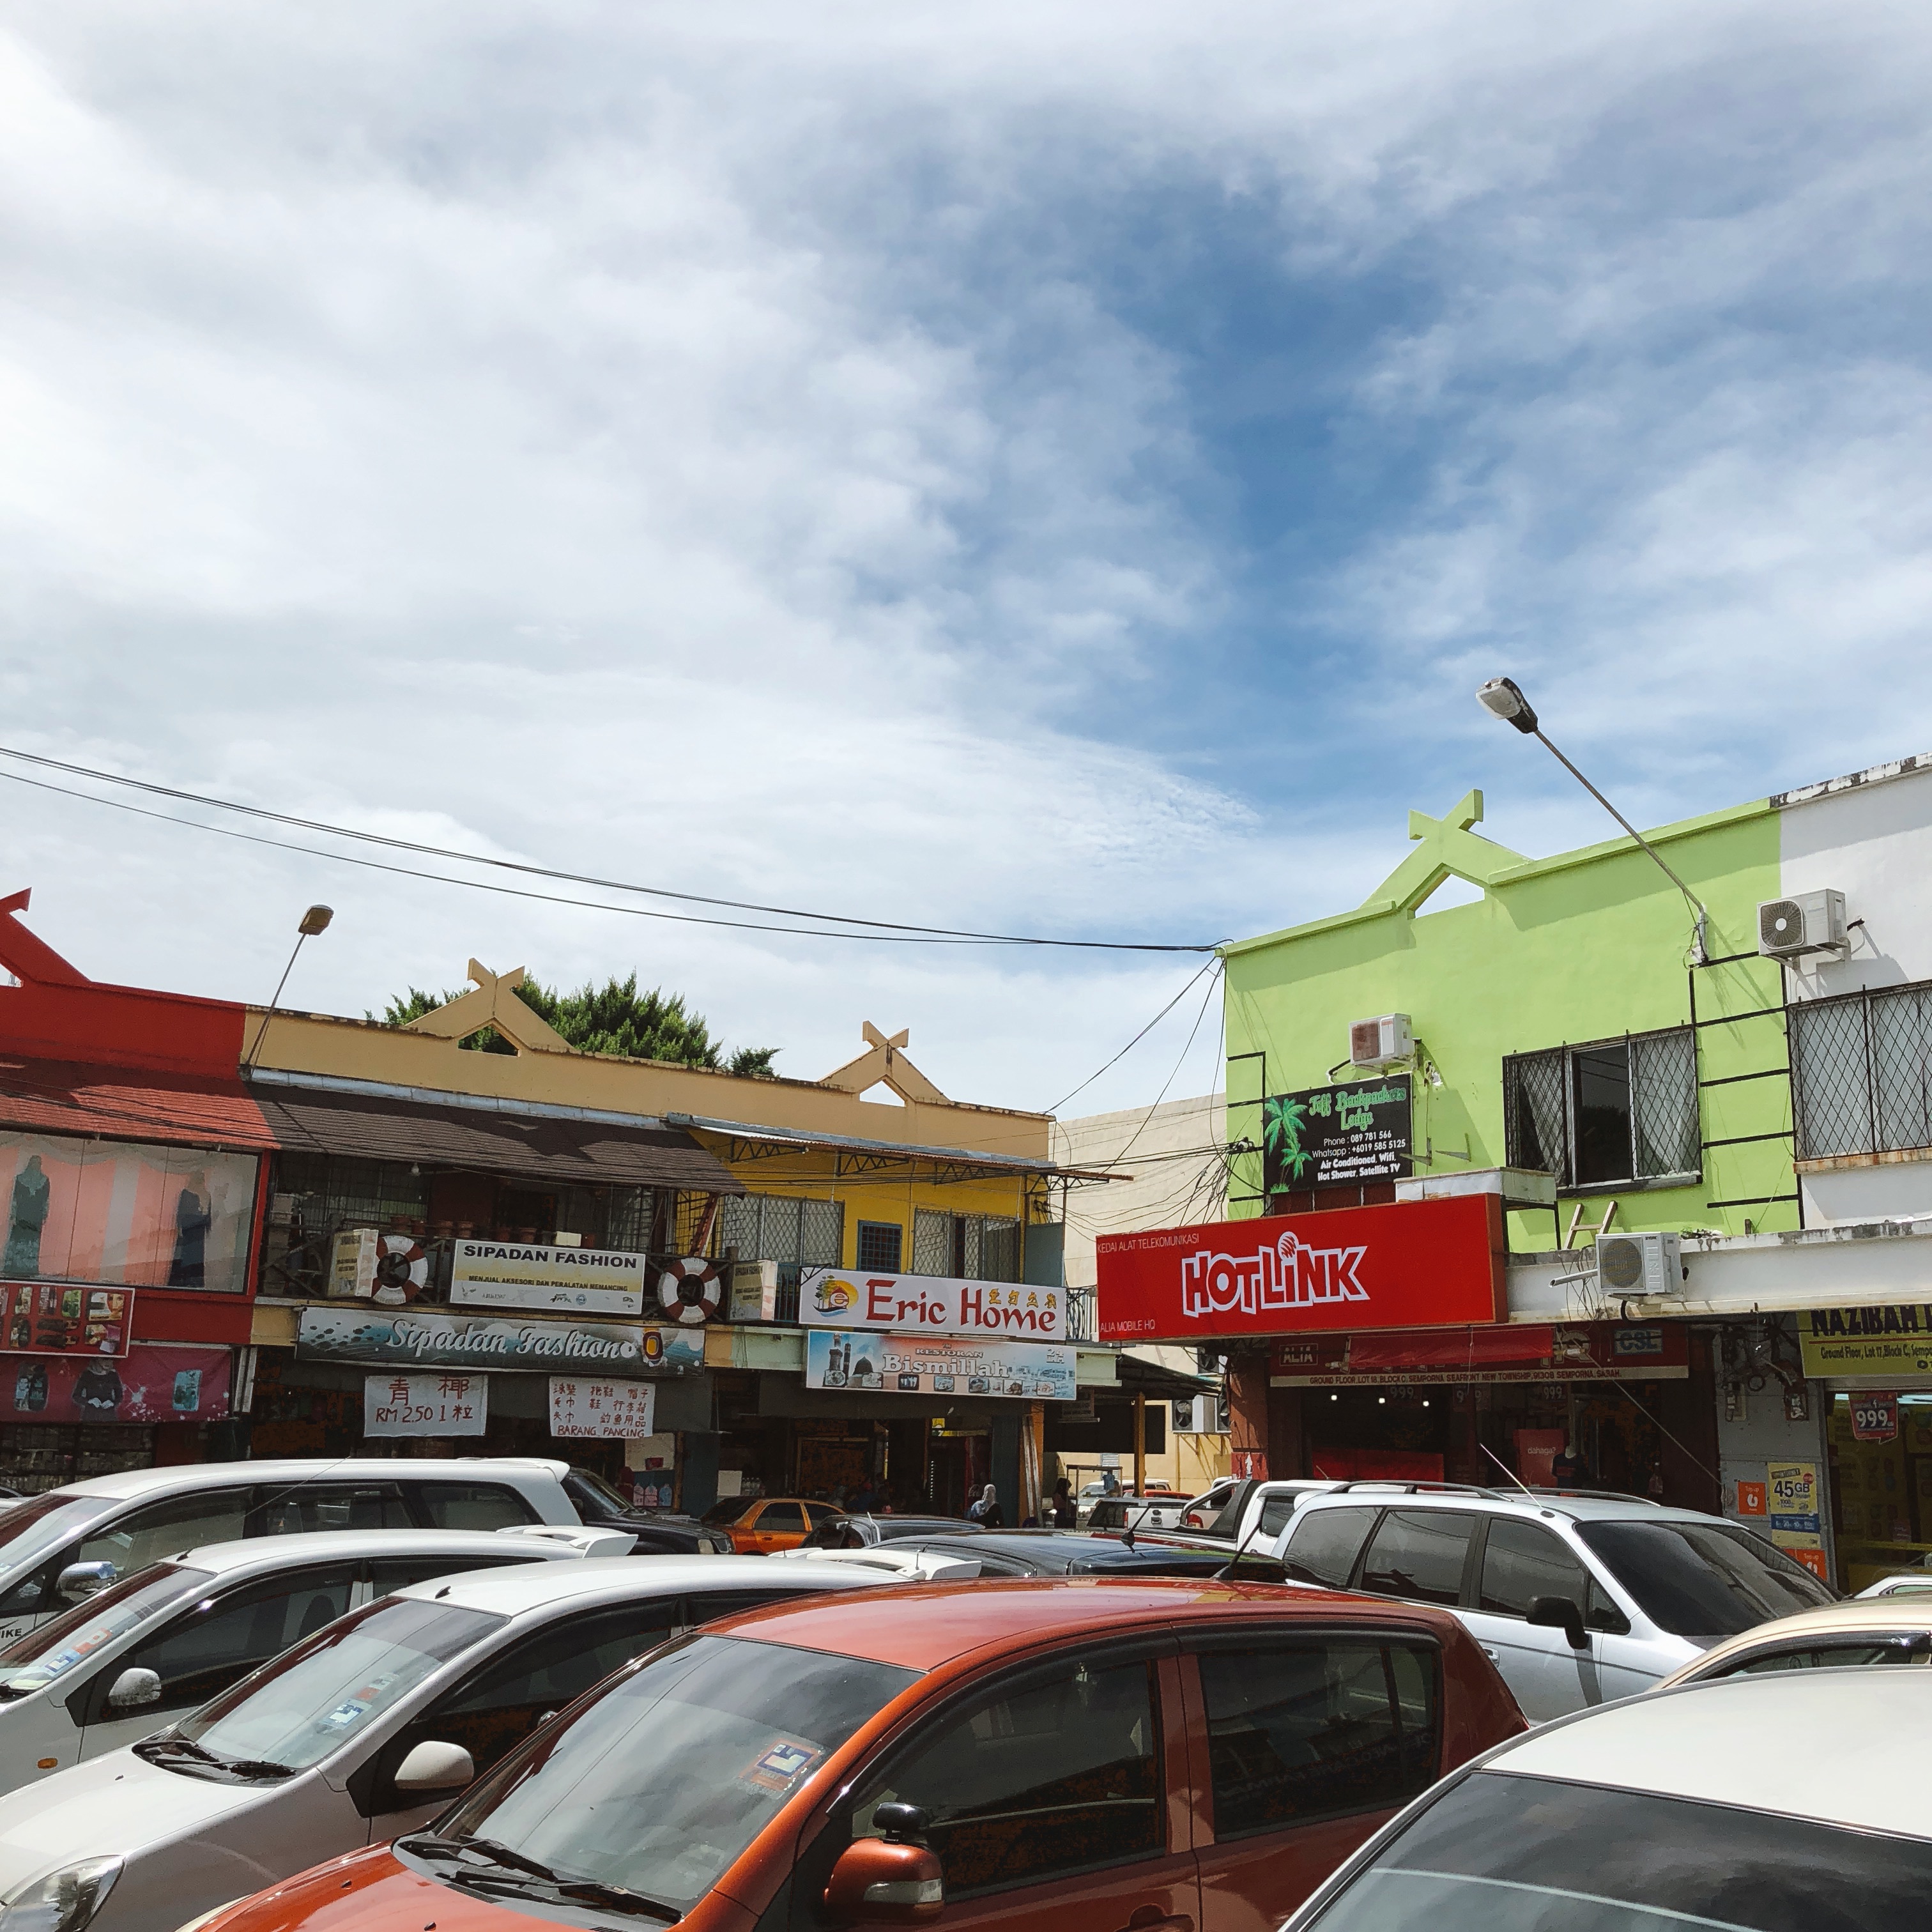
[(1281, 1122)]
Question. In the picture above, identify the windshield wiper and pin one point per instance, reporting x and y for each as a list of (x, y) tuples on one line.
[(591, 1891), (253, 1770), (168, 1742)]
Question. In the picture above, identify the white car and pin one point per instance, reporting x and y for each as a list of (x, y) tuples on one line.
[(1786, 1803), (888, 1563), (1861, 1633), (54, 1545), (368, 1729), (132, 1658), (1576, 1599)]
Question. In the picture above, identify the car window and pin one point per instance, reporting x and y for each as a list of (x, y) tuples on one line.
[(1324, 1543), (1002, 1566), (398, 1573), (1523, 1561), (1276, 1511), (166, 1528), (1419, 1554), (1703, 1580), (218, 1641), (1052, 1773), (475, 1505), (55, 1648), (730, 1509), (700, 1607), (323, 1506), (781, 1517), (1828, 1656), (500, 1704), (1314, 1728)]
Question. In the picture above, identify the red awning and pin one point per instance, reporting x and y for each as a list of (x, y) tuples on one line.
[(1451, 1348), (58, 1096)]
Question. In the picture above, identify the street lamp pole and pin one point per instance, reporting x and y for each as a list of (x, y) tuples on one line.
[(315, 921), (1503, 698)]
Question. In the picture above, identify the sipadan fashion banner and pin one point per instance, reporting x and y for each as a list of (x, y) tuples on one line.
[(423, 1338), (926, 1304), (125, 1213), (149, 1384), (1408, 1264), (515, 1274), (945, 1365)]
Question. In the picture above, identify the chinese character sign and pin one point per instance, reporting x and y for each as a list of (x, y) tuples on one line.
[(923, 1304), (591, 1405), (432, 1405)]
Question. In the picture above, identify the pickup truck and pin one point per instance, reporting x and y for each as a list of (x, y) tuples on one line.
[(1249, 1511), (1157, 1510)]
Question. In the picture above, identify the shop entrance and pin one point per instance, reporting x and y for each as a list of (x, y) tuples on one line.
[(1880, 1443), (959, 1466)]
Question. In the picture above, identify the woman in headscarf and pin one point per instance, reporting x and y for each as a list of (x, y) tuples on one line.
[(986, 1511)]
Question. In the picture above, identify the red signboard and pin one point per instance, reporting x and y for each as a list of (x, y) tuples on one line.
[(145, 1385), (1407, 1264), (1875, 1417)]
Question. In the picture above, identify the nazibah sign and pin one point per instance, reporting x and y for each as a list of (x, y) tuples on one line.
[(1886, 1338), (927, 1304), (1408, 1265)]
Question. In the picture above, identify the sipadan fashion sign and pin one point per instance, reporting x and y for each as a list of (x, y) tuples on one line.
[(429, 1338), (517, 1274), (924, 1304), (1408, 1265)]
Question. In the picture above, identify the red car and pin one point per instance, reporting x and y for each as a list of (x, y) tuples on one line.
[(1080, 1755)]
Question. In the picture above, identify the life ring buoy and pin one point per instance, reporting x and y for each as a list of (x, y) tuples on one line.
[(689, 1291), (402, 1270)]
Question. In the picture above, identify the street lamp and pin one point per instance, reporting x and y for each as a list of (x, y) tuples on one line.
[(1502, 698), (314, 922)]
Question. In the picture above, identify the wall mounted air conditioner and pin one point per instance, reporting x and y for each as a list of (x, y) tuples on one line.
[(1640, 1263), (1381, 1042), (1805, 923)]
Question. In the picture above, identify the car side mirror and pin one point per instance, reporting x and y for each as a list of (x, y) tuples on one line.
[(1562, 1613), (80, 1581), (889, 1881), (133, 1688), (432, 1766)]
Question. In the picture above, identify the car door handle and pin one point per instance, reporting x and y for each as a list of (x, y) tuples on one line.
[(1489, 1653), (1151, 1918)]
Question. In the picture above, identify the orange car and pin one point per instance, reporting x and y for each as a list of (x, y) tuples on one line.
[(1071, 1755), (759, 1525)]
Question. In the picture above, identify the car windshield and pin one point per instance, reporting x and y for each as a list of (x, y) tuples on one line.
[(37, 1658), (1499, 1853), (728, 1509), (31, 1528), (657, 1785), (311, 1700), (1703, 1580), (605, 1492)]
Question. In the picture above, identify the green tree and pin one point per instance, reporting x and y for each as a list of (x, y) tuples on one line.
[(613, 1018)]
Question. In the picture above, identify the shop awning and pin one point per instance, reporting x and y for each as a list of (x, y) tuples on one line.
[(1136, 1375), (540, 1144), (851, 1155), (1452, 1347), (57, 1096)]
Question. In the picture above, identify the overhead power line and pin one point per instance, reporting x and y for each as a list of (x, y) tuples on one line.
[(825, 926)]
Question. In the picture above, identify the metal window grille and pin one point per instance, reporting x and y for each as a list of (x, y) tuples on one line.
[(1539, 1121), (1861, 1071), (1083, 1322), (968, 1247), (797, 1233), (880, 1246)]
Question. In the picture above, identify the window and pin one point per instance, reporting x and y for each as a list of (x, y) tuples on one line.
[(1699, 1581), (1055, 1773), (782, 1517), (144, 1536), (1522, 1562), (1838, 1657), (1276, 1512), (1325, 1544), (512, 1694), (1613, 1112), (968, 1247), (879, 1245), (286, 1511), (1419, 1554), (398, 1573), (219, 1641), (1861, 1071), (795, 1233), (1316, 1729), (475, 1506)]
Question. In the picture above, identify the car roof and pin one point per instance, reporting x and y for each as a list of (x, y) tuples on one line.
[(286, 1553), (922, 1626), (1842, 1746), (1579, 1509), (129, 1485), (1886, 1616), (508, 1593)]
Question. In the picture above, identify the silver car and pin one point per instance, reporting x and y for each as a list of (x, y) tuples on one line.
[(130, 1659), (368, 1729)]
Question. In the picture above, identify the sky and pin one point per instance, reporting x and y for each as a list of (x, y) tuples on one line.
[(1048, 470)]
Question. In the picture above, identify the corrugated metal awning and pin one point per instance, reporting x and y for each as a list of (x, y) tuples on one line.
[(492, 1139), (59, 1096)]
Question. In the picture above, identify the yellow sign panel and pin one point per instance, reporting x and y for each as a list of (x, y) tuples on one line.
[(1895, 1339)]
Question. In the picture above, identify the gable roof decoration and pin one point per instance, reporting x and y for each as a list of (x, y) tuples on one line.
[(883, 1061), (493, 1003), (1446, 848)]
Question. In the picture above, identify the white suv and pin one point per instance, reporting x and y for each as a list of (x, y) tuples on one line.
[(1578, 1598)]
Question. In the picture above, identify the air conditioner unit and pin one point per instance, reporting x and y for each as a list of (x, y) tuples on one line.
[(1184, 1423), (1805, 923), (1640, 1263), (1382, 1041)]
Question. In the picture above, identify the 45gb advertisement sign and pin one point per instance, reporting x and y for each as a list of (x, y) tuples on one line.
[(1409, 1264)]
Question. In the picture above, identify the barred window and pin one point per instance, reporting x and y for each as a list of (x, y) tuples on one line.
[(968, 1247), (1608, 1111), (779, 1227), (1861, 1071)]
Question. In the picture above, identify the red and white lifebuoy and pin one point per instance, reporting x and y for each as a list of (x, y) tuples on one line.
[(689, 1291), (402, 1270)]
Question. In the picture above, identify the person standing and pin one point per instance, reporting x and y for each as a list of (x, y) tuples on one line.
[(1064, 1510), (986, 1511)]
